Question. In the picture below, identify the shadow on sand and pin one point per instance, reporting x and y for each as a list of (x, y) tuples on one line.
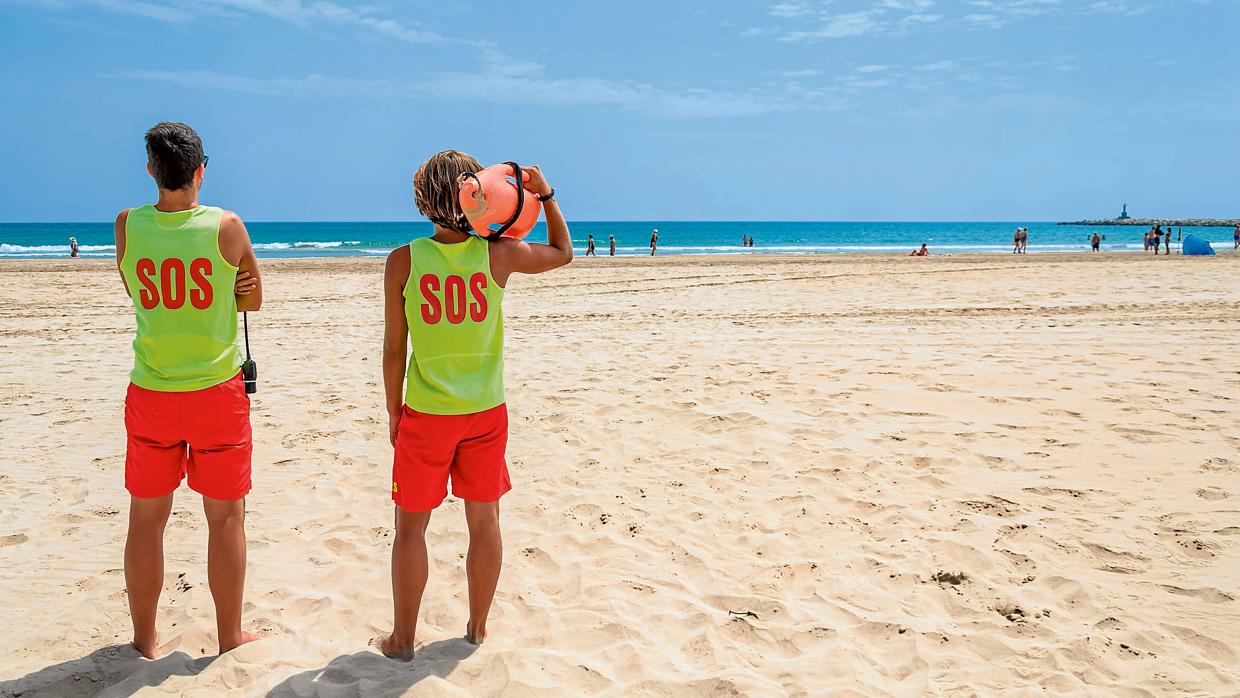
[(372, 674), (115, 671)]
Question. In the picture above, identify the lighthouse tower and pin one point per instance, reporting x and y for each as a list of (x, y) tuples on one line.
[(1124, 216)]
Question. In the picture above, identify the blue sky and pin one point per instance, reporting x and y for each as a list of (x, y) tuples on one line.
[(637, 110)]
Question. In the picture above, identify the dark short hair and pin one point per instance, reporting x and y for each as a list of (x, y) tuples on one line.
[(174, 152)]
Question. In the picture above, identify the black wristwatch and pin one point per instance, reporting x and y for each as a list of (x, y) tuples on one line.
[(548, 197)]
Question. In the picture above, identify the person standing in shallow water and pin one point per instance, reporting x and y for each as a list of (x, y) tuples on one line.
[(447, 412), (611, 241), (73, 248), (590, 247), (654, 241)]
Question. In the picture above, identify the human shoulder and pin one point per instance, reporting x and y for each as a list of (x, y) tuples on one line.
[(118, 233), (234, 239), (229, 220), (504, 244), (400, 254), (398, 262), (503, 249)]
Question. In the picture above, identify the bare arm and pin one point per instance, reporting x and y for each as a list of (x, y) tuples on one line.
[(395, 334), (509, 255), (119, 232), (237, 249)]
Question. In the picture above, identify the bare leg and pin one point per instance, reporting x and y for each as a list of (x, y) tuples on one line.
[(410, 569), (144, 567), (226, 568), (482, 564)]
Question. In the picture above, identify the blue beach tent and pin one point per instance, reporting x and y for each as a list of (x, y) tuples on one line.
[(1196, 245)]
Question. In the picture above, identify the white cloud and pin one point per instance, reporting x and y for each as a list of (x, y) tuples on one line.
[(838, 19), (294, 12), (500, 86), (838, 26), (790, 9)]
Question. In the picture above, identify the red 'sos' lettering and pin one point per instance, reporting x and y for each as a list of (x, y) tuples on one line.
[(148, 295), (478, 308), (431, 310), (172, 282), (454, 298), (199, 270)]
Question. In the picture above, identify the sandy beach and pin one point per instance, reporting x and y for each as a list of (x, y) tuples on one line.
[(758, 475)]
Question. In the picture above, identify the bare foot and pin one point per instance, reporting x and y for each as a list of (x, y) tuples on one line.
[(392, 648), (148, 649), (234, 643), (476, 635)]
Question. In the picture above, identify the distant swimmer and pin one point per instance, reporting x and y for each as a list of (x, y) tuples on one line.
[(751, 241), (654, 241), (923, 252), (612, 240), (590, 247), (73, 247), (1096, 242)]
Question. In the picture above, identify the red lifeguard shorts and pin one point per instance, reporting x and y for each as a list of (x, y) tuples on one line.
[(470, 447), (205, 433)]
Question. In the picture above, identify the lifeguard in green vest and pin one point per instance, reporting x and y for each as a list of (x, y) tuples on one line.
[(443, 372), (189, 269)]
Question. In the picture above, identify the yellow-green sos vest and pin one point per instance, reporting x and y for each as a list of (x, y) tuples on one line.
[(456, 328), (182, 291)]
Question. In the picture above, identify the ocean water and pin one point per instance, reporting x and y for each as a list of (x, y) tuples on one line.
[(48, 240)]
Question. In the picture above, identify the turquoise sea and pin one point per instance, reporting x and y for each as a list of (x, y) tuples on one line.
[(46, 240)]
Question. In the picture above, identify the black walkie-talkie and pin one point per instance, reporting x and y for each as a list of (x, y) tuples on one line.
[(249, 369)]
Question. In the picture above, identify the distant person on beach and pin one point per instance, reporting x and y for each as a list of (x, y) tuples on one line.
[(1235, 239), (923, 252), (1096, 242), (73, 247), (186, 410), (590, 247), (654, 241), (1024, 240), (447, 416), (1016, 241), (611, 240), (1156, 239), (1146, 242), (751, 241), (1167, 243)]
